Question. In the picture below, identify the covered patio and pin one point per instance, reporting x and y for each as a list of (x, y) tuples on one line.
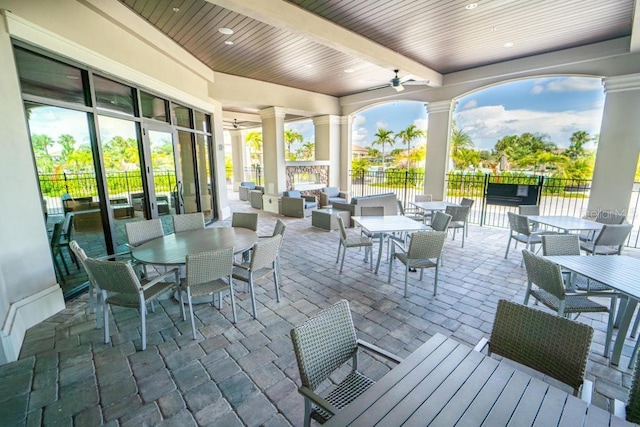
[(246, 374)]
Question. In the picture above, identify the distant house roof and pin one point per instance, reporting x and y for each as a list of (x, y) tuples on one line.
[(358, 149)]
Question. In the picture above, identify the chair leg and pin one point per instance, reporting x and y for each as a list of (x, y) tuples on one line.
[(105, 311), (343, 254), (612, 316), (307, 412), (233, 300), (463, 234), (143, 323), (338, 256), (435, 283), (92, 307), (98, 305), (275, 280), (193, 321), (390, 267), (253, 296), (406, 280), (506, 254)]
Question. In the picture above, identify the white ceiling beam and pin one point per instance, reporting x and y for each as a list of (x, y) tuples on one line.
[(284, 15), (635, 29)]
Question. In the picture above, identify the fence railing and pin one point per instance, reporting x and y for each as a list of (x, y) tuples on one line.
[(119, 184), (559, 196)]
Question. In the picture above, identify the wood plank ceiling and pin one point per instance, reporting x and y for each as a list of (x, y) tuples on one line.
[(441, 34)]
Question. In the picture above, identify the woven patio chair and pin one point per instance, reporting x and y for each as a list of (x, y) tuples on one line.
[(278, 230), (120, 286), (569, 244), (603, 217), (552, 345), (264, 260), (245, 220), (208, 274), (353, 242), (631, 410), (609, 240), (424, 247), (550, 291), (322, 345), (139, 232), (186, 222), (520, 231), (409, 213), (440, 222), (459, 217)]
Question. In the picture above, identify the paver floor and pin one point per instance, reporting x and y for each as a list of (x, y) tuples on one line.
[(246, 374)]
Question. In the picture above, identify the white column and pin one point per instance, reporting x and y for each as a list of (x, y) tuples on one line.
[(437, 161), (346, 153), (618, 147), (273, 154), (327, 136), (237, 157)]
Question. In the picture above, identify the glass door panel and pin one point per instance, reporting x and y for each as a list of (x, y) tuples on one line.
[(64, 161), (164, 175), (121, 157), (204, 175), (189, 183)]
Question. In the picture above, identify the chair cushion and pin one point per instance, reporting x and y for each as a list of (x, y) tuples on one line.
[(292, 193), (333, 200), (331, 191), (248, 184), (310, 205)]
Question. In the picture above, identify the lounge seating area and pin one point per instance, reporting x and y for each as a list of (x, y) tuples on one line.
[(246, 373)]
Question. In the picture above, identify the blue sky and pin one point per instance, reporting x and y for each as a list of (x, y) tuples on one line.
[(555, 106)]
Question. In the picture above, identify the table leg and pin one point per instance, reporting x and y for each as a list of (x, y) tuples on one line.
[(622, 330), (382, 236)]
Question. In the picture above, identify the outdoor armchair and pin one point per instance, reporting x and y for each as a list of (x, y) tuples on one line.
[(244, 189), (331, 195), (520, 231), (322, 345), (552, 345), (609, 240), (297, 205), (459, 220), (353, 242)]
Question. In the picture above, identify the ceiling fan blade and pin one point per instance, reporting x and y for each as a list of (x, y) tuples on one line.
[(406, 78), (379, 87), (416, 83)]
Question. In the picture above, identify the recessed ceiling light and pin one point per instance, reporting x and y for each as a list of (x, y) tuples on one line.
[(224, 30), (176, 9), (309, 66), (508, 44), (229, 42), (493, 29), (471, 6), (349, 70)]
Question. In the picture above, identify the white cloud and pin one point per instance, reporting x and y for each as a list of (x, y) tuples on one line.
[(359, 136), (421, 123), (359, 120), (469, 105), (487, 125), (381, 125), (537, 89), (574, 84)]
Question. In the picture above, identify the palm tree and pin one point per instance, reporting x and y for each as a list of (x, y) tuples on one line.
[(408, 135), (384, 137), (254, 140), (460, 140), (290, 137)]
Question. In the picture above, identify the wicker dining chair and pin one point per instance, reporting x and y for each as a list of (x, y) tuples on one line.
[(322, 345), (139, 232), (278, 230), (353, 242), (264, 260), (120, 286), (424, 247), (208, 273), (520, 231), (245, 220), (56, 250), (414, 214), (186, 222), (609, 241), (550, 291), (459, 220), (553, 345), (602, 217), (440, 222)]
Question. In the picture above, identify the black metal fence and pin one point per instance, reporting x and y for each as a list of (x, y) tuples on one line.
[(119, 184), (254, 174), (558, 196)]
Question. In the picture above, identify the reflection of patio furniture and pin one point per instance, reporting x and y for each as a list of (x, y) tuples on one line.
[(121, 207), (138, 201), (86, 212), (297, 205)]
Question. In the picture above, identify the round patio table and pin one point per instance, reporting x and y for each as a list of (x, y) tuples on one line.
[(173, 249)]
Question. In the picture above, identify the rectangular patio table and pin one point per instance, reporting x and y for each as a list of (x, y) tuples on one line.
[(432, 206), (445, 383), (619, 272), (387, 224), (566, 223)]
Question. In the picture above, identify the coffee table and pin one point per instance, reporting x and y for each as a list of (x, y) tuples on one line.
[(325, 218)]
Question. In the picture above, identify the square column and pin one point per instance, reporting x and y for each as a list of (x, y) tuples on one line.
[(346, 154), (618, 146), (238, 154), (275, 179), (327, 136), (437, 161)]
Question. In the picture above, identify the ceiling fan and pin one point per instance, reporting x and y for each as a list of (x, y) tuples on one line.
[(398, 83)]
